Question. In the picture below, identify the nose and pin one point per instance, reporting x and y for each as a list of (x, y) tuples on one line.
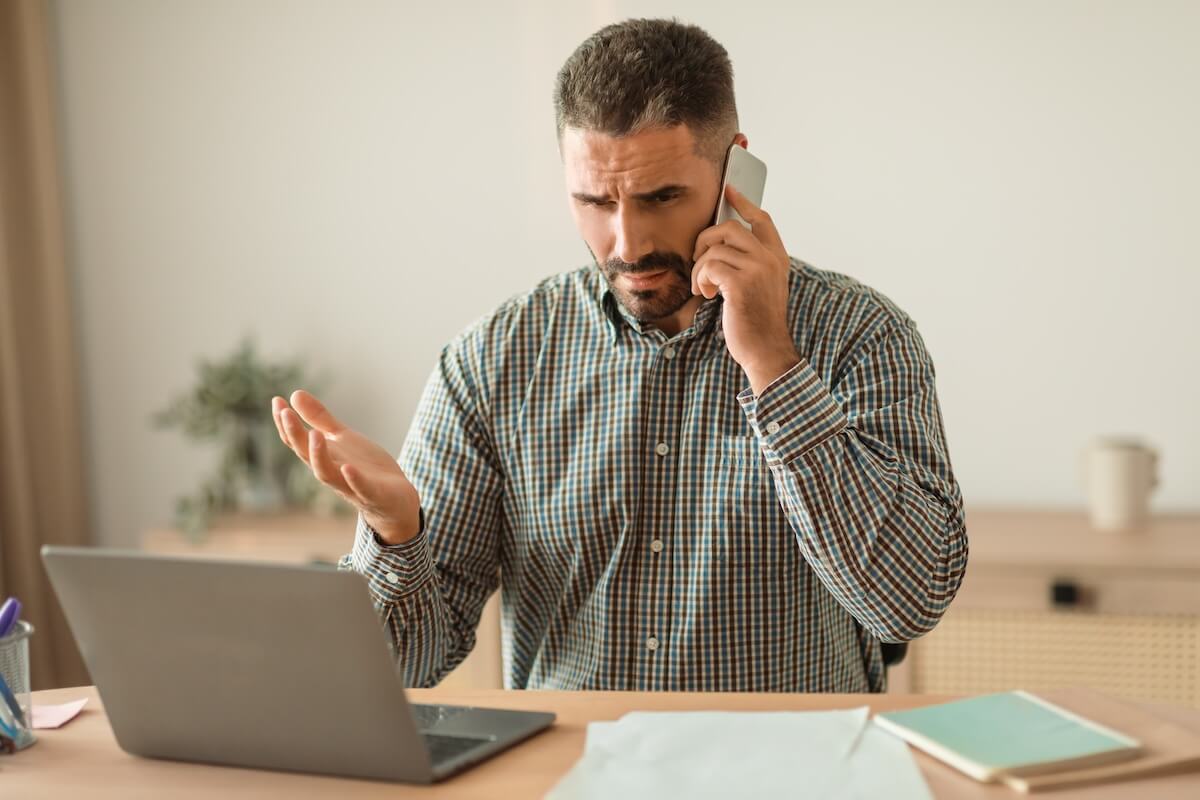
[(632, 236)]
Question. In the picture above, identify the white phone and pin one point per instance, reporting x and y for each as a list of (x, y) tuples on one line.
[(748, 175)]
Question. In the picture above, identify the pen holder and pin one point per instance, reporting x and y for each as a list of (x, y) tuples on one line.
[(14, 668)]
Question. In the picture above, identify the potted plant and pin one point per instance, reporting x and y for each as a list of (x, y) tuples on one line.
[(231, 404)]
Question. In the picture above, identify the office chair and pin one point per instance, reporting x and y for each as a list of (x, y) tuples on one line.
[(893, 652)]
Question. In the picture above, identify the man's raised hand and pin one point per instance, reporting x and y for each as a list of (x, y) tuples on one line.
[(360, 471)]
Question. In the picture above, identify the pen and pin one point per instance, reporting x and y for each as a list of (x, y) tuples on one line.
[(10, 612), (13, 705), (8, 730)]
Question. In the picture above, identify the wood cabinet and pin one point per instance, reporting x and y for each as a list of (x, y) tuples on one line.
[(307, 539), (1048, 601)]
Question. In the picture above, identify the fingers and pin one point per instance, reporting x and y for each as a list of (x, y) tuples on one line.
[(761, 224), (322, 463), (312, 411), (713, 277), (729, 232), (738, 259), (309, 445), (742, 205), (762, 233), (291, 429), (277, 405), (295, 434), (713, 270)]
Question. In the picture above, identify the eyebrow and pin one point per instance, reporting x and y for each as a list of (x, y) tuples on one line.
[(650, 195)]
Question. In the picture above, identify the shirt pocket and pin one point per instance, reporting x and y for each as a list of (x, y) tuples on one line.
[(752, 531)]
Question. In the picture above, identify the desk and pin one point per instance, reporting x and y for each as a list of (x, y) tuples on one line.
[(82, 760)]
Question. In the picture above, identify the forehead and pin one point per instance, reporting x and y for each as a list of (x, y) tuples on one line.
[(657, 156)]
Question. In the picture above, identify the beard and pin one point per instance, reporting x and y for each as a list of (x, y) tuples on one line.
[(648, 305)]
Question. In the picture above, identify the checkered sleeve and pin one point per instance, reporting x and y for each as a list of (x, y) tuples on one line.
[(430, 591), (863, 473)]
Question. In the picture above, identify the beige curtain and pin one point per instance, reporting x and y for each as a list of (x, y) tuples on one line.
[(42, 497)]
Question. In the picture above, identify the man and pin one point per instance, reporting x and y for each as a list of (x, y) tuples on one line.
[(696, 465)]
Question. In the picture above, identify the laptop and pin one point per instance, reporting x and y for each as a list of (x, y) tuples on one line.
[(260, 665)]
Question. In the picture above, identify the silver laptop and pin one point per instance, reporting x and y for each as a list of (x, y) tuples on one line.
[(260, 665)]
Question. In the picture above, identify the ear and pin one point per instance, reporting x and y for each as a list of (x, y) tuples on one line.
[(741, 139)]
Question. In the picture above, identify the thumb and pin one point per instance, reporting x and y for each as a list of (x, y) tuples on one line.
[(366, 490), (312, 411)]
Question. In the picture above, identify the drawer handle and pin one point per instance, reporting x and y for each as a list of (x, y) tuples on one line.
[(1064, 594)]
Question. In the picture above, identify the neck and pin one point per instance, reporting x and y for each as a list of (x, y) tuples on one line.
[(681, 319)]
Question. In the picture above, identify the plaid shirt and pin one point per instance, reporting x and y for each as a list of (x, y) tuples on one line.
[(651, 523)]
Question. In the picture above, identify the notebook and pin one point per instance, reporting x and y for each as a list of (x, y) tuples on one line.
[(1010, 734), (1170, 741)]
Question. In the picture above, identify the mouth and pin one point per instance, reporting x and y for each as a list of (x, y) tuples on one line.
[(644, 280)]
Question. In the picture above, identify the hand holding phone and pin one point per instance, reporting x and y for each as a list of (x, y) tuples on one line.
[(748, 266)]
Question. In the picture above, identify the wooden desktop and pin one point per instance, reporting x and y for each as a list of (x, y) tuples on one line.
[(82, 759)]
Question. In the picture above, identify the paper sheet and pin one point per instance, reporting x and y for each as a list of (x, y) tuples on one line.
[(57, 716), (722, 754)]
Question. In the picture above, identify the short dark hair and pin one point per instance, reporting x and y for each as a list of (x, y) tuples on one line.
[(648, 73)]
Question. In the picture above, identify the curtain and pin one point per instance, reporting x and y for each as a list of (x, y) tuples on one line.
[(42, 497)]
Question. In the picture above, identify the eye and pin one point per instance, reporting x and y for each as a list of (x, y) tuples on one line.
[(664, 197)]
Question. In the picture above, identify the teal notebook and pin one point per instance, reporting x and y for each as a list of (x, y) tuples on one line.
[(1012, 733)]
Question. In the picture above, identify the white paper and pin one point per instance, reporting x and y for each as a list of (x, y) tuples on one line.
[(724, 754), (883, 766)]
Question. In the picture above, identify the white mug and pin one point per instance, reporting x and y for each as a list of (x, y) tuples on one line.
[(1119, 473)]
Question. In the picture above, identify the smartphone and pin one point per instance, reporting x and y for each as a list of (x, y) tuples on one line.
[(748, 175)]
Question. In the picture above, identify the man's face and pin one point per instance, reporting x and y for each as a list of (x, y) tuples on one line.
[(639, 202)]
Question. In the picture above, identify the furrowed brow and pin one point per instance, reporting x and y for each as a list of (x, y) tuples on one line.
[(584, 197), (671, 188)]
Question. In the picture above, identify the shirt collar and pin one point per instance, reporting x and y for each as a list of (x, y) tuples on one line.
[(708, 315)]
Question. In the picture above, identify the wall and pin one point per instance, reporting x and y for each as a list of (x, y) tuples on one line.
[(354, 182)]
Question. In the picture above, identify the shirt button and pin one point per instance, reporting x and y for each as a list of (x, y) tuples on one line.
[(656, 546), (662, 449), (772, 428), (668, 352), (392, 577), (652, 644)]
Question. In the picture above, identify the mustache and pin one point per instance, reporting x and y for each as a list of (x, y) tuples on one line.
[(651, 262)]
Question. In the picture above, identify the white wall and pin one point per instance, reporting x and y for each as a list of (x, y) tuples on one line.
[(355, 182)]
